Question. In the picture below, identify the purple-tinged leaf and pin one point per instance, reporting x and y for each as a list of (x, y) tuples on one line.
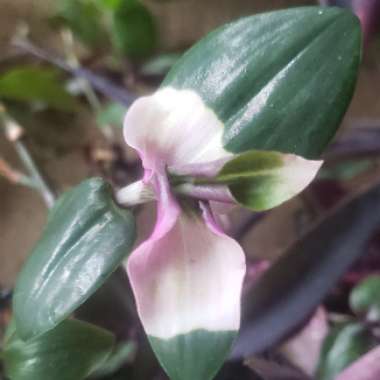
[(296, 284)]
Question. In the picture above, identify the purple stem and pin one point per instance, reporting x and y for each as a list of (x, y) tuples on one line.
[(103, 85)]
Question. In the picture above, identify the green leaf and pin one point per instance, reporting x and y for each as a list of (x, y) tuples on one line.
[(121, 354), (109, 4), (133, 30), (346, 170), (71, 351), (111, 114), (84, 18), (365, 298), (87, 236), (32, 84), (279, 81), (160, 65), (262, 180), (342, 347)]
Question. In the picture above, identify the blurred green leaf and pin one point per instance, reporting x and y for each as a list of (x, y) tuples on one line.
[(343, 346), (71, 351), (367, 367), (86, 238), (85, 20), (365, 298), (111, 114), (121, 354), (35, 84), (345, 170), (109, 4), (160, 65), (266, 369), (133, 30)]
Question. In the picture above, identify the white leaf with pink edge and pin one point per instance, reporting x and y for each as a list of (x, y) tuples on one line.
[(174, 127), (188, 278)]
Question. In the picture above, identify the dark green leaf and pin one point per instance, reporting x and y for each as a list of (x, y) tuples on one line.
[(87, 236), (133, 30), (32, 84), (342, 347), (279, 81), (71, 351), (84, 18), (111, 114), (289, 291), (122, 354), (365, 298), (112, 306)]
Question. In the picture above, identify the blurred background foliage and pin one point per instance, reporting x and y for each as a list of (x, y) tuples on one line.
[(69, 69)]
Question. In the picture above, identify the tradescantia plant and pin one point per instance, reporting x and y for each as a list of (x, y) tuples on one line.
[(241, 119)]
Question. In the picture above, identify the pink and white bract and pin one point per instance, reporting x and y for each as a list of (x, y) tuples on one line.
[(187, 276)]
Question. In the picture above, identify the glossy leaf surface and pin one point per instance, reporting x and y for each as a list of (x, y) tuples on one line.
[(289, 291), (278, 81), (71, 351), (86, 238)]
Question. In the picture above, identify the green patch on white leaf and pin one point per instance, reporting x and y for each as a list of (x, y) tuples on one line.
[(261, 180), (197, 355)]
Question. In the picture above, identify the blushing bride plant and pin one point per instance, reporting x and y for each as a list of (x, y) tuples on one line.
[(187, 276), (242, 120)]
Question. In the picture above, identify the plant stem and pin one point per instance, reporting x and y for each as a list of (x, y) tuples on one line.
[(103, 85), (217, 193), (14, 132), (14, 176), (135, 193), (88, 91), (30, 165)]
